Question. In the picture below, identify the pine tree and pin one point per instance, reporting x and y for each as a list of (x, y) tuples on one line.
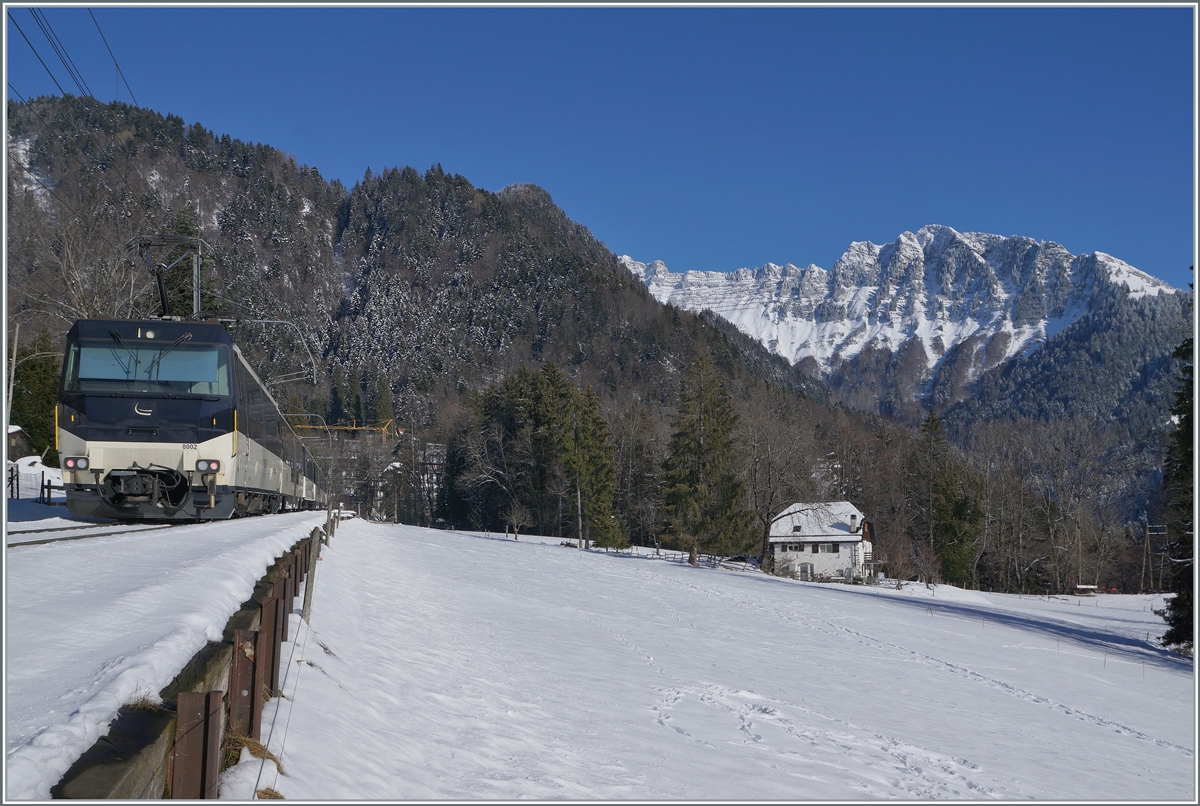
[(551, 400), (338, 411), (596, 473), (384, 407), (35, 393), (704, 500), (1178, 478), (354, 401), (946, 516), (495, 465)]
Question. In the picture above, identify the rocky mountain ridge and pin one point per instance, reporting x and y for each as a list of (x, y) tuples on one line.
[(928, 305)]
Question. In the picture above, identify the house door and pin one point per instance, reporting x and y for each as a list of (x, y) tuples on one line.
[(806, 572)]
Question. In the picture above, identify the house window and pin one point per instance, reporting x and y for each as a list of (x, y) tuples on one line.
[(816, 548), (796, 527), (826, 548)]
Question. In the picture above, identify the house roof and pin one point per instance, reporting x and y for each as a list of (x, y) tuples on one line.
[(822, 521)]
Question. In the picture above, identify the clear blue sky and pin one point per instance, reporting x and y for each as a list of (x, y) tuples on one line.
[(710, 138)]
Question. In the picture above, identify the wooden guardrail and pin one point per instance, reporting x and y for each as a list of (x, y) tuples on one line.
[(174, 750)]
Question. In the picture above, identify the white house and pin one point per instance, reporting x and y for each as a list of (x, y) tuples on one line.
[(830, 540)]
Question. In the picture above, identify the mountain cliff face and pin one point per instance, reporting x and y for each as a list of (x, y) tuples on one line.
[(420, 284), (924, 319), (435, 286)]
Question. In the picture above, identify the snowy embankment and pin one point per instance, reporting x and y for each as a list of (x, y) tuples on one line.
[(96, 623), (440, 665)]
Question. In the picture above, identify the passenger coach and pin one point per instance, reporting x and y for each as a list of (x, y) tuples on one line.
[(165, 420)]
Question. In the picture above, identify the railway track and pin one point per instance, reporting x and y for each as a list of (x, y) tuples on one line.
[(95, 530), (102, 530), (12, 531)]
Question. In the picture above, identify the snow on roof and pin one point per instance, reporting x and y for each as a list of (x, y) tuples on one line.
[(818, 521), (12, 429)]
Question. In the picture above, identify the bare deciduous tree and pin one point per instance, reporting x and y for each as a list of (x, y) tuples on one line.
[(778, 455)]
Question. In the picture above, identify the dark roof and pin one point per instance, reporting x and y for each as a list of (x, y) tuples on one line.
[(164, 329)]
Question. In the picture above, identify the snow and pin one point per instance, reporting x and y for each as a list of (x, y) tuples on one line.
[(93, 624), (443, 665), (937, 285), (27, 179), (31, 474), (1138, 282), (810, 521), (449, 665), (33, 464)]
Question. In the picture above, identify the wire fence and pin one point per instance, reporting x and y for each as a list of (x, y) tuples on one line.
[(34, 487)]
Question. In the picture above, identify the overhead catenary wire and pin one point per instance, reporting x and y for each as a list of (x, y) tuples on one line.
[(35, 53), (120, 72), (50, 190), (80, 82), (149, 190), (60, 50)]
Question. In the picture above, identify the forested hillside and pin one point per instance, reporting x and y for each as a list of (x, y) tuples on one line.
[(536, 383)]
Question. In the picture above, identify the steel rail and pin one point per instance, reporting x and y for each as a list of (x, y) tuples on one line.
[(12, 531), (89, 536)]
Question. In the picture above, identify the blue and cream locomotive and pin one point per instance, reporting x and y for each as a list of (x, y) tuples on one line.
[(165, 420)]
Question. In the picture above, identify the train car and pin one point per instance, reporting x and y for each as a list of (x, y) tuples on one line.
[(165, 420)]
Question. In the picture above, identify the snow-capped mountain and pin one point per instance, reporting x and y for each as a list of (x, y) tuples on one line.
[(920, 302)]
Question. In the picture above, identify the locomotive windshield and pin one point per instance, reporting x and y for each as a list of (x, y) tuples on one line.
[(170, 368)]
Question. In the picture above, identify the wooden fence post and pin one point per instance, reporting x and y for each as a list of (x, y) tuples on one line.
[(265, 656), (314, 551), (286, 568), (241, 682), (277, 637), (197, 745)]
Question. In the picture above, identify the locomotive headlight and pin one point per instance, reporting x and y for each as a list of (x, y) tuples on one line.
[(76, 463), (208, 465)]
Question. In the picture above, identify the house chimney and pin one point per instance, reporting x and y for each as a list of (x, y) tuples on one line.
[(853, 524)]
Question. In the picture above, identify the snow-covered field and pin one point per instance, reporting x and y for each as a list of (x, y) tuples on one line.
[(442, 665)]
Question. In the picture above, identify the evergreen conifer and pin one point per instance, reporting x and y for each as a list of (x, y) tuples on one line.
[(596, 472), (704, 500), (946, 516), (384, 406), (1178, 477)]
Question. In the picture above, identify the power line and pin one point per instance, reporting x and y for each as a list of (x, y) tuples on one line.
[(114, 58), (124, 176), (50, 190), (61, 51), (35, 53)]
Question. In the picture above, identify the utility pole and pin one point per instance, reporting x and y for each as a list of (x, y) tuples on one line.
[(579, 510), (1151, 530), (12, 379), (196, 280)]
